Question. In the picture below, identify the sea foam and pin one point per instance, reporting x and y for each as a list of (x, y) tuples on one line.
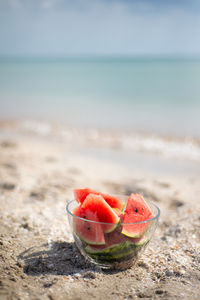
[(168, 147)]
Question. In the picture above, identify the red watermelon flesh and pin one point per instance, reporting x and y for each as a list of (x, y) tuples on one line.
[(113, 201), (137, 204), (89, 232), (137, 210), (115, 238), (81, 194), (105, 213), (134, 230)]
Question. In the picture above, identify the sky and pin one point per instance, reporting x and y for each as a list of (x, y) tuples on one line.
[(99, 27)]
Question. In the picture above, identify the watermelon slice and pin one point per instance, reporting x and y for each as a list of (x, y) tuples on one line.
[(125, 250), (117, 247), (104, 212), (138, 205), (113, 201), (113, 251), (90, 232), (81, 194), (137, 210)]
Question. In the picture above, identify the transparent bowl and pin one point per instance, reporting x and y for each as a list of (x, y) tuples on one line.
[(120, 251)]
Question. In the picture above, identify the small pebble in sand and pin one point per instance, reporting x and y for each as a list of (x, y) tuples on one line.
[(50, 266), (169, 273), (159, 292), (7, 186), (89, 275), (181, 272)]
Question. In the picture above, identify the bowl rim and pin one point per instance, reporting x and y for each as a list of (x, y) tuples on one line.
[(141, 222)]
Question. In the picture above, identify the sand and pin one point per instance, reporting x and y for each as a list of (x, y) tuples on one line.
[(38, 256)]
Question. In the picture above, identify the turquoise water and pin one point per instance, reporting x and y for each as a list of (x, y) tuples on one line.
[(150, 95)]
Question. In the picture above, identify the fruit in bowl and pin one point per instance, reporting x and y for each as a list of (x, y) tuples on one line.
[(111, 230)]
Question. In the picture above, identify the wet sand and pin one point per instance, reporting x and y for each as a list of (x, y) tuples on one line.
[(38, 257)]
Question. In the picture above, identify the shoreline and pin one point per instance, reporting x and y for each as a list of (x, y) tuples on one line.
[(163, 146)]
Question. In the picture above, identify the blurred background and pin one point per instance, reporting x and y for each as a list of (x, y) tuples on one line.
[(112, 66), (104, 64)]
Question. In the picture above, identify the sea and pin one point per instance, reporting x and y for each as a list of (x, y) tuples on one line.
[(138, 108), (148, 95)]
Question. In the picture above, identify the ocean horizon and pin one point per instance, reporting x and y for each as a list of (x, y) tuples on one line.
[(141, 94)]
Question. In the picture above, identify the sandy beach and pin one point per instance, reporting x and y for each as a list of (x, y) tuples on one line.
[(40, 167)]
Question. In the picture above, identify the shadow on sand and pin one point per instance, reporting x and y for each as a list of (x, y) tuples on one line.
[(58, 258)]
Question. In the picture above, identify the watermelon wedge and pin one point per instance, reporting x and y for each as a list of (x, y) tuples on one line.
[(113, 201), (81, 194), (137, 210), (113, 251), (90, 232), (102, 209), (138, 205)]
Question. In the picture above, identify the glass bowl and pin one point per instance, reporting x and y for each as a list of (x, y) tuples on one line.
[(119, 251)]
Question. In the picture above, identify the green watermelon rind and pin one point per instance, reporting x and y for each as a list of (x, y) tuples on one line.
[(116, 257), (126, 251), (131, 235), (111, 249), (126, 233), (111, 261), (112, 228), (139, 235), (117, 250), (113, 252)]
